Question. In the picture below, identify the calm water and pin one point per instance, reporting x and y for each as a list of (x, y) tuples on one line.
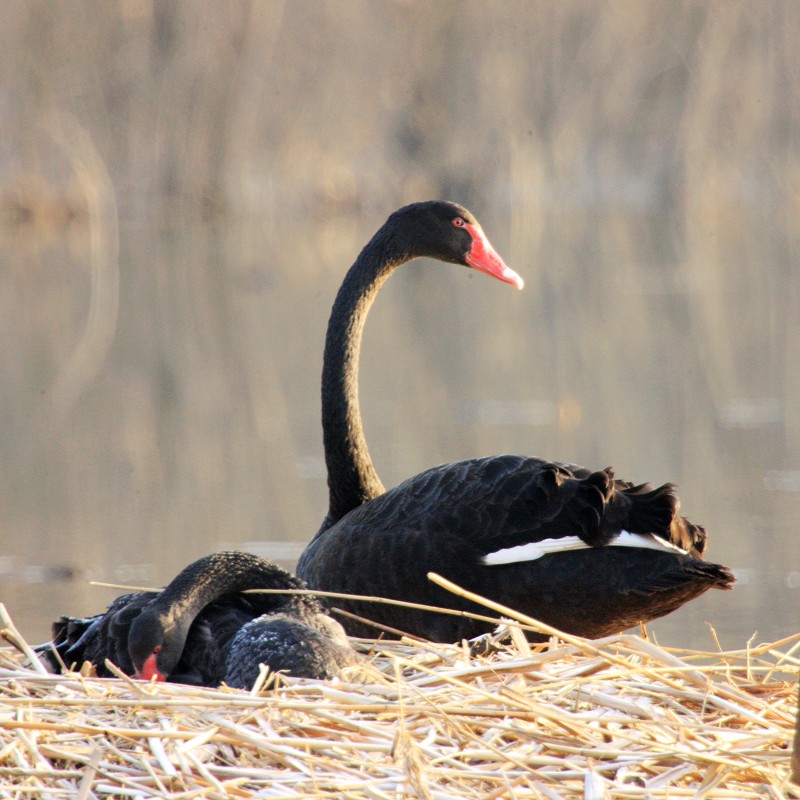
[(192, 423)]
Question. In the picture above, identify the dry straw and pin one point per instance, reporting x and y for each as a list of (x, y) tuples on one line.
[(617, 718)]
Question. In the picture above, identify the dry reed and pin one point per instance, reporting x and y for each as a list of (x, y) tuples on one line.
[(618, 718)]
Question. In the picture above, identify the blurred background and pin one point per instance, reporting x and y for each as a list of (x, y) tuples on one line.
[(183, 185)]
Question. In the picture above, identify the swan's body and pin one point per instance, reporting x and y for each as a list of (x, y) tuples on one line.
[(288, 645), (184, 634), (573, 547)]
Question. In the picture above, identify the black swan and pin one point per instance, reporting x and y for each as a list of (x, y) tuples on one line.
[(573, 547), (201, 628)]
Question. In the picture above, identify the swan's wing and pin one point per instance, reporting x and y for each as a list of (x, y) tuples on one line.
[(506, 502), (97, 638), (287, 644)]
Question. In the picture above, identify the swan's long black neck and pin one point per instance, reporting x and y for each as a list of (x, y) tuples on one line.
[(205, 581), (210, 578), (352, 479)]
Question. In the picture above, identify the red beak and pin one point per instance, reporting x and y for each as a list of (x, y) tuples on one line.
[(150, 671), (483, 257)]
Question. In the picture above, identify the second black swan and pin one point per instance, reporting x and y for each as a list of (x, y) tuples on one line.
[(573, 547), (202, 630)]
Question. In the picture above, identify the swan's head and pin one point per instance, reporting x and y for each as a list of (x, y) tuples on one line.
[(449, 232), (154, 646)]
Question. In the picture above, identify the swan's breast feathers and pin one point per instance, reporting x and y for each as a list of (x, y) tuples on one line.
[(533, 550)]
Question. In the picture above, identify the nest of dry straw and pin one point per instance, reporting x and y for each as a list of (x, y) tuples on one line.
[(617, 718)]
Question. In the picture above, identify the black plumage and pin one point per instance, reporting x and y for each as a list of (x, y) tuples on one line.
[(184, 633), (287, 645)]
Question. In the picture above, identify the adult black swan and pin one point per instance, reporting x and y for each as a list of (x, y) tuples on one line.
[(573, 547), (202, 630)]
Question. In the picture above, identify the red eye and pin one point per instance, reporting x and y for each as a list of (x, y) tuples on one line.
[(458, 222), (157, 649)]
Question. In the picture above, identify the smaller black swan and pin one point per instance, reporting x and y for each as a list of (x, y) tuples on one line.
[(201, 627)]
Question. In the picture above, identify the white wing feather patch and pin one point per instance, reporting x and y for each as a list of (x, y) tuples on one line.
[(534, 550)]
